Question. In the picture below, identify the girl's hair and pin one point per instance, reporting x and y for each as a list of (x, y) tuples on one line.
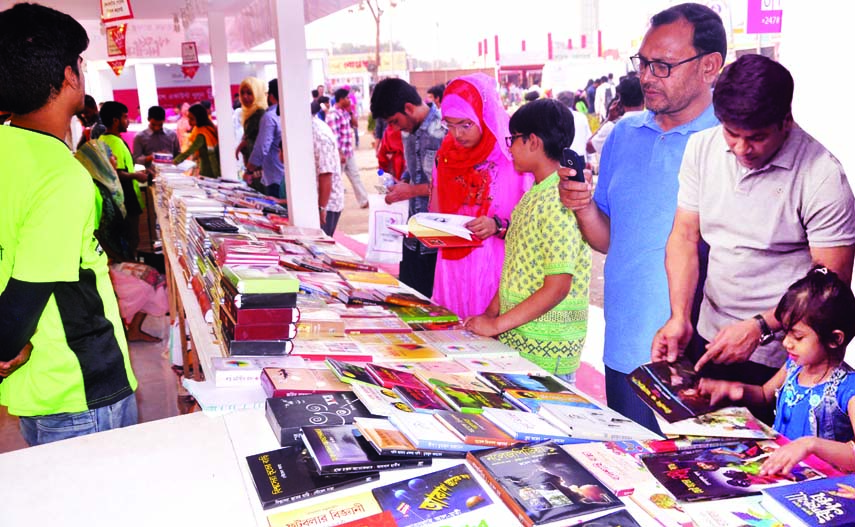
[(259, 100), (201, 115), (826, 304)]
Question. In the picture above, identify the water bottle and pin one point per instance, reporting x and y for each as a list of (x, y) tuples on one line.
[(387, 179)]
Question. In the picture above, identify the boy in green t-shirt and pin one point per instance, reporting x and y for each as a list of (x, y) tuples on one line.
[(114, 116), (541, 308), (64, 360)]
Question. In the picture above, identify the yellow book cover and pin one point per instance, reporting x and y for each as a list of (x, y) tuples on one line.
[(369, 277), (328, 513)]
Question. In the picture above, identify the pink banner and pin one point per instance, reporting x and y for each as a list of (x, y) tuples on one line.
[(113, 10), (764, 16)]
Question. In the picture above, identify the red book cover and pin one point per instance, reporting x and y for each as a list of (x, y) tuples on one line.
[(265, 331), (381, 519), (274, 315), (390, 377), (474, 429)]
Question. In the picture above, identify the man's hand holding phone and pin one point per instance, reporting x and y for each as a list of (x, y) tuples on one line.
[(575, 187)]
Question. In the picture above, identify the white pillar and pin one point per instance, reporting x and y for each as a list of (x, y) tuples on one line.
[(99, 84), (294, 94), (146, 88), (222, 93)]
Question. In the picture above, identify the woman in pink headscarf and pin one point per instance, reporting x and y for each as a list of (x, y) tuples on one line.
[(474, 176)]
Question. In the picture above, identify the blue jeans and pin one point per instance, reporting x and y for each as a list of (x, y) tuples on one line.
[(569, 378), (621, 398), (49, 428)]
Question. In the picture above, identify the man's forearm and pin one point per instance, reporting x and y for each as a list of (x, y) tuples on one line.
[(324, 189), (681, 266), (595, 227)]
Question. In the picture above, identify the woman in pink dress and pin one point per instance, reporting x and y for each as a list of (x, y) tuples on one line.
[(474, 176)]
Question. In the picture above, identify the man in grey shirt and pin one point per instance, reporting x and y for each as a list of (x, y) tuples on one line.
[(155, 139), (770, 200)]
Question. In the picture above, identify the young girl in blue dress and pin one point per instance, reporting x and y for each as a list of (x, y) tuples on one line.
[(815, 389)]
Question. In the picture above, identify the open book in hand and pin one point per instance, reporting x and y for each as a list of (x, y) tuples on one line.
[(439, 230), (670, 389)]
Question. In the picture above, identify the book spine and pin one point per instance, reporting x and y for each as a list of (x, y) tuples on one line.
[(489, 441), (373, 467), (506, 498)]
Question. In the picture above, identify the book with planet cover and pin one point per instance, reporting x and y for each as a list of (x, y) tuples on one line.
[(433, 498)]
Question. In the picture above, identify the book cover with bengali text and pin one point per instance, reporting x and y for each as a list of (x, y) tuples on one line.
[(339, 449), (330, 513), (828, 502)]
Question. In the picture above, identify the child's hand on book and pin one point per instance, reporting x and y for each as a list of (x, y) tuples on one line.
[(483, 227), (484, 325), (721, 390), (782, 460)]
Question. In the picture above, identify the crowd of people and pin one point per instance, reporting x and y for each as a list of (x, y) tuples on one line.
[(729, 231)]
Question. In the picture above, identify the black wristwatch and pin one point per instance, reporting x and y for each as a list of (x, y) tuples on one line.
[(766, 333)]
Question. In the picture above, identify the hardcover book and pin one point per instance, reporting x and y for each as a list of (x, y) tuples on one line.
[(724, 471), (518, 381), (390, 377), (596, 424), (531, 400), (506, 363), (287, 414), (462, 343), (733, 422), (260, 347), (379, 400), (471, 401), (827, 502), (246, 371), (422, 314), (338, 449), (244, 332), (284, 476), (350, 372), (330, 513), (387, 440), (283, 315), (670, 389), (615, 469), (525, 426), (424, 401), (282, 382), (542, 483), (425, 432), (474, 429), (435, 498), (249, 279)]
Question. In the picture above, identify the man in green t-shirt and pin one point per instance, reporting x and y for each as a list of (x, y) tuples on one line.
[(63, 356), (114, 116)]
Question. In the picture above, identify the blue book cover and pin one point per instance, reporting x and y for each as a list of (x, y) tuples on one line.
[(827, 502), (433, 497)]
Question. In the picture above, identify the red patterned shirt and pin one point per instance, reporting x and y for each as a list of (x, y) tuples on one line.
[(339, 121)]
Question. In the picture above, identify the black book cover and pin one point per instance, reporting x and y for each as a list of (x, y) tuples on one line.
[(257, 300), (542, 483), (339, 449), (285, 475), (238, 348), (287, 414), (670, 389)]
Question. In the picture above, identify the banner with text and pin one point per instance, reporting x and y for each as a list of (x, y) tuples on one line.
[(116, 41), (189, 59), (764, 16), (114, 10)]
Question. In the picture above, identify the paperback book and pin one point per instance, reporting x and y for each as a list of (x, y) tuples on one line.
[(720, 472), (526, 427), (426, 432), (827, 502), (735, 512), (285, 475), (332, 512), (246, 371), (474, 429), (733, 422), (282, 382), (375, 325), (517, 381), (468, 380), (423, 314), (505, 363), (287, 414), (390, 377), (471, 401), (615, 469), (387, 440), (531, 400), (350, 372), (339, 349), (542, 483), (341, 448), (435, 498), (595, 424), (379, 400), (462, 343), (424, 401), (670, 389)]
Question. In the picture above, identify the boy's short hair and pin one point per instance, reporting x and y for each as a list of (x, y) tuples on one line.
[(390, 96), (38, 43), (630, 93), (110, 111), (157, 113), (437, 91), (549, 120), (341, 93)]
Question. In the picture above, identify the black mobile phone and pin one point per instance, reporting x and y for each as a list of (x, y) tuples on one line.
[(570, 159)]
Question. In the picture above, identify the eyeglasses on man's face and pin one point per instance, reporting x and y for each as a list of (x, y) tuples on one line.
[(509, 140), (660, 68), (464, 126)]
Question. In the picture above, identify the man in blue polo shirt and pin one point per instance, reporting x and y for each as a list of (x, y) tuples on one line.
[(631, 211)]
